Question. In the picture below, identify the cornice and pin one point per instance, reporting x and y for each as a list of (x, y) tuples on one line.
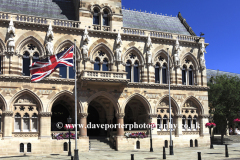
[(105, 80)]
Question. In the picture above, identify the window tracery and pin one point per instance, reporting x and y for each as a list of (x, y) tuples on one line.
[(190, 116), (188, 72)]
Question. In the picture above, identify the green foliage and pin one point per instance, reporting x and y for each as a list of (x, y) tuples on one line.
[(224, 99)]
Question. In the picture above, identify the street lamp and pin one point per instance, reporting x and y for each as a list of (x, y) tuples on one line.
[(69, 120), (150, 120)]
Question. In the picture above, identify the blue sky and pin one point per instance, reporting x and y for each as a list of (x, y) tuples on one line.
[(219, 20)]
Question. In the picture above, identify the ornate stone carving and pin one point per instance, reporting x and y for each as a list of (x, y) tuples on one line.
[(152, 115), (149, 48), (8, 113), (26, 100), (201, 55), (118, 48), (120, 115), (165, 132), (11, 34), (49, 44), (204, 116), (190, 132), (45, 114), (86, 40), (179, 115), (164, 103), (189, 103), (83, 115), (176, 55), (25, 135)]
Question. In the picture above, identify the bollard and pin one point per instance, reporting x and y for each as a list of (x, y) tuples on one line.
[(166, 143), (132, 156), (226, 151), (196, 143), (211, 143), (191, 143), (164, 153), (71, 157), (199, 156)]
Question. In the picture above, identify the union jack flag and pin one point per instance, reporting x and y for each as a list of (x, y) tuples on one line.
[(45, 67)]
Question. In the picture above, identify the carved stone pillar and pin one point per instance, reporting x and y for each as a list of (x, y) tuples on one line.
[(120, 127), (7, 127), (83, 121), (203, 120), (45, 125), (154, 120), (178, 122)]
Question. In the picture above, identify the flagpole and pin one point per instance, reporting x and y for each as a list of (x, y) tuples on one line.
[(75, 65)]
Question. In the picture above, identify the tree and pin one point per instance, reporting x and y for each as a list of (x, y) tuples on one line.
[(224, 100)]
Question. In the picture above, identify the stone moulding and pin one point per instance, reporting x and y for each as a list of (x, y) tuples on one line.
[(8, 113), (26, 134), (165, 132), (45, 114), (105, 80), (190, 132)]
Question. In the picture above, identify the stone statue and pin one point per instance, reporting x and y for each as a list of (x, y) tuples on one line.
[(11, 33), (149, 48), (202, 52), (86, 40), (118, 48), (49, 44), (176, 55)]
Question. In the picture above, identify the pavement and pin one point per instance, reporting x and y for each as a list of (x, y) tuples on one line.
[(188, 153)]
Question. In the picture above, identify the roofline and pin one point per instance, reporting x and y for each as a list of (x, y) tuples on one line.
[(183, 21)]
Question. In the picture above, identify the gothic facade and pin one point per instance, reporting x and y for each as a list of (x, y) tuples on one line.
[(122, 75)]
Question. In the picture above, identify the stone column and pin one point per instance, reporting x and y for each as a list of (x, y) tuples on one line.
[(154, 120), (120, 127), (45, 125), (7, 126), (203, 120), (178, 122), (83, 121)]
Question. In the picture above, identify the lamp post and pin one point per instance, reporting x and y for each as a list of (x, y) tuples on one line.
[(150, 120), (211, 143), (69, 120)]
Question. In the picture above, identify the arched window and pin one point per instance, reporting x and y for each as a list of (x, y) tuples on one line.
[(165, 125), (35, 57), (17, 124), (159, 122), (26, 123), (129, 70), (105, 18), (105, 65), (164, 74), (157, 73), (97, 64), (96, 17), (34, 122), (184, 75), (26, 64), (190, 75), (189, 122), (195, 123), (184, 122), (136, 72)]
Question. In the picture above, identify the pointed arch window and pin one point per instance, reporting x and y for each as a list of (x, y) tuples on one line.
[(189, 121), (26, 123), (159, 122), (136, 71), (105, 65), (157, 73), (190, 75), (26, 64), (194, 123), (97, 64), (17, 123), (165, 124), (35, 57), (129, 70), (34, 122), (184, 82), (105, 18), (96, 17), (184, 122), (164, 74)]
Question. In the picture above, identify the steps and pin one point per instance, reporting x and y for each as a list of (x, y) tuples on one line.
[(99, 144)]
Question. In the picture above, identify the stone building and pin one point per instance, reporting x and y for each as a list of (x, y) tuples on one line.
[(122, 64)]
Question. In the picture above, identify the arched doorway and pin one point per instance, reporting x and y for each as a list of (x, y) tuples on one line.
[(59, 114), (93, 119)]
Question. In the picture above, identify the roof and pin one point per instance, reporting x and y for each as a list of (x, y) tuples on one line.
[(213, 73), (59, 9), (148, 21)]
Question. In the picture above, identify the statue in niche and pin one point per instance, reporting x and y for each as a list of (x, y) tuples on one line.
[(118, 47), (49, 44), (202, 52), (11, 33), (176, 55), (86, 40), (149, 48)]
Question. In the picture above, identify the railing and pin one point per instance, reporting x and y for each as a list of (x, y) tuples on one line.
[(106, 28), (40, 20), (136, 131), (187, 38), (161, 35), (104, 75), (96, 27), (133, 31)]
